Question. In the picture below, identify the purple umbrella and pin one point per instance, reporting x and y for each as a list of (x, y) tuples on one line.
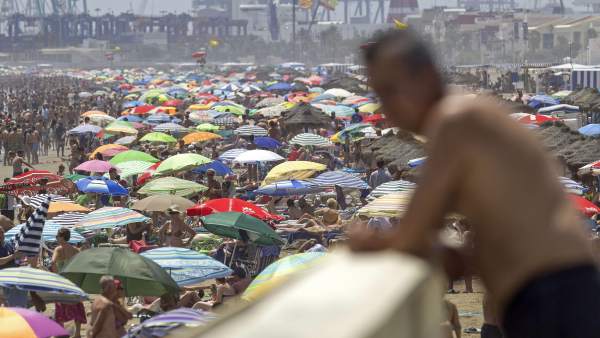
[(95, 166), (85, 128), (23, 323)]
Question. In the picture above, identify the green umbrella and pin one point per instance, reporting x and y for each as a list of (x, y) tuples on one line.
[(171, 185), (139, 275), (234, 109), (130, 168), (180, 162), (158, 137), (207, 127), (132, 155), (241, 226), (74, 177)]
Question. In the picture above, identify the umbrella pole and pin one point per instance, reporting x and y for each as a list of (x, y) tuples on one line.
[(232, 254)]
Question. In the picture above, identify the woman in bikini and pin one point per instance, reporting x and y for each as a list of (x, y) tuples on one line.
[(173, 232)]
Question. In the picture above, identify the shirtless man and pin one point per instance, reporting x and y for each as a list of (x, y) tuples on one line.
[(103, 323), (529, 245)]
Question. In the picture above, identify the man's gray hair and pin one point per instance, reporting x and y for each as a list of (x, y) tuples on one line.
[(106, 280)]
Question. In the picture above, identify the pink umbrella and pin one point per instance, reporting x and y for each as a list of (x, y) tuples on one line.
[(95, 166)]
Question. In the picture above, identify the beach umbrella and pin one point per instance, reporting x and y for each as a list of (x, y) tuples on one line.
[(158, 118), (258, 155), (130, 118), (267, 142), (280, 86), (583, 205), (225, 121), (390, 205), (173, 103), (17, 322), (216, 165), (391, 187), (84, 128), (240, 226), (142, 110), (74, 177), (161, 325), (542, 101), (48, 285), (231, 154), (93, 112), (132, 155), (131, 168), (341, 179), (158, 137), (108, 150), (58, 203), (132, 104), (233, 109), (230, 87), (296, 170), (559, 108), (31, 182), (272, 111), (101, 119), (278, 272), (170, 128), (147, 174), (171, 185), (308, 139), (198, 116), (269, 102), (370, 108), (67, 220), (338, 93), (338, 110), (233, 205), (249, 130), (95, 166), (288, 188), (537, 119), (161, 203), (187, 267), (139, 275), (58, 207), (121, 127), (48, 233), (207, 127), (110, 217), (571, 186), (592, 129), (180, 162), (85, 95), (200, 136), (126, 140)]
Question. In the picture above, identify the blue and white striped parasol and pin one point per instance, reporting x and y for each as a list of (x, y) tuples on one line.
[(289, 188), (571, 186), (250, 131), (161, 325), (48, 285), (341, 179), (391, 187), (231, 154), (68, 219), (187, 266), (48, 233), (171, 128), (101, 185)]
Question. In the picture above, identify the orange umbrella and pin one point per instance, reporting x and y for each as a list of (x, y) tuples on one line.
[(56, 207), (200, 136), (93, 112)]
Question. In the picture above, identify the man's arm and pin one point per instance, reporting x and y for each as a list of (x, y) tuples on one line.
[(102, 315), (7, 259)]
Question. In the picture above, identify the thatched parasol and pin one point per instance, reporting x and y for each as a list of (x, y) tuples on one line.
[(303, 116)]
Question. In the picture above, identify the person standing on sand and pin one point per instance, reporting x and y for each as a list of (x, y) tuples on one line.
[(530, 248), (17, 162), (103, 322)]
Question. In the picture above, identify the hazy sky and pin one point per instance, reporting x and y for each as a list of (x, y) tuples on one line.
[(152, 7)]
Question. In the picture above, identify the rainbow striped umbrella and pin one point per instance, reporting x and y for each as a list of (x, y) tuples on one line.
[(49, 286), (23, 323), (110, 217), (278, 272)]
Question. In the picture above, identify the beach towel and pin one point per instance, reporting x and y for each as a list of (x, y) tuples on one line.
[(28, 240)]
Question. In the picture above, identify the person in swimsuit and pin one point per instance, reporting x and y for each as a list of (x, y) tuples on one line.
[(173, 232), (530, 247), (103, 322), (17, 162), (67, 312)]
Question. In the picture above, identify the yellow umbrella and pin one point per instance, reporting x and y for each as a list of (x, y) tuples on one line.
[(199, 107), (107, 147), (293, 170), (56, 207), (168, 110), (200, 136), (335, 138), (93, 112), (369, 108), (390, 205), (115, 128)]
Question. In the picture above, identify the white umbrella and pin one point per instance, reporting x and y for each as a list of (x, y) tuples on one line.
[(258, 155), (250, 130), (338, 92)]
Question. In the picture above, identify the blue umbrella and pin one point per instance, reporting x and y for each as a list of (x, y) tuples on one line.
[(187, 266), (101, 185), (267, 142), (216, 165), (48, 233), (159, 118), (590, 129), (542, 101), (85, 128), (341, 179), (417, 162), (283, 86), (323, 97), (162, 324), (288, 188), (132, 104), (131, 118)]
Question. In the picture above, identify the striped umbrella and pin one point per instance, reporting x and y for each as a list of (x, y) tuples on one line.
[(29, 238), (389, 205), (572, 187), (17, 322), (48, 233), (308, 139), (131, 168), (187, 266), (68, 219), (37, 200), (126, 140), (231, 154), (248, 130), (171, 185), (225, 121), (391, 187), (48, 285), (110, 217), (341, 179), (279, 271), (170, 127), (162, 324), (288, 188)]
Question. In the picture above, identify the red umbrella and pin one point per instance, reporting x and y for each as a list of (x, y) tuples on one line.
[(537, 119), (125, 86), (235, 205), (200, 210), (32, 181), (141, 110), (147, 173), (172, 103), (374, 118), (583, 205)]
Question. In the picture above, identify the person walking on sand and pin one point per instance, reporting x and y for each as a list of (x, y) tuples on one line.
[(488, 168), (17, 162)]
